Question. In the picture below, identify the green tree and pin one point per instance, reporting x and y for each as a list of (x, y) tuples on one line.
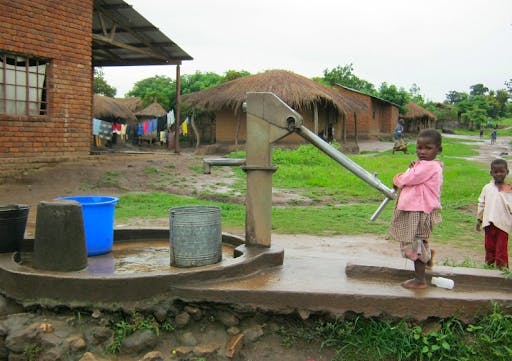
[(394, 95), (198, 81), (502, 100), (475, 117), (478, 89), (415, 94), (344, 75), (234, 74), (100, 85), (508, 84), (453, 97), (159, 88)]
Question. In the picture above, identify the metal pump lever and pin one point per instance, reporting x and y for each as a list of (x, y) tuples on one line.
[(349, 164)]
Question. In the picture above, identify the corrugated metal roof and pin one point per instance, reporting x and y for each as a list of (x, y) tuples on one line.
[(122, 36)]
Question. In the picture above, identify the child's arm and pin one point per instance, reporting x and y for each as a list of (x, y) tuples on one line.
[(418, 173), (480, 210)]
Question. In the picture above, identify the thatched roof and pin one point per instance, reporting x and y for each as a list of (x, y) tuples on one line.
[(132, 103), (295, 90), (414, 111), (152, 110), (109, 109)]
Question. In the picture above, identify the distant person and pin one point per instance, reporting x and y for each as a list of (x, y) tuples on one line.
[(398, 136), (494, 215), (398, 133), (494, 135), (481, 133), (418, 206)]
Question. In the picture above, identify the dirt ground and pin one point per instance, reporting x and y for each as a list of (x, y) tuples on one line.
[(134, 169)]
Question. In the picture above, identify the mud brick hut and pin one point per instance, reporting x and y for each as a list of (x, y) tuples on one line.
[(379, 118), (324, 110), (417, 118), (48, 51)]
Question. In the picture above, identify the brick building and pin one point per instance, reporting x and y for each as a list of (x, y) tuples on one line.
[(45, 82), (48, 50), (378, 118)]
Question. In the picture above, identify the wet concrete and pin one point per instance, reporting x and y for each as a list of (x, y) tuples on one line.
[(283, 279)]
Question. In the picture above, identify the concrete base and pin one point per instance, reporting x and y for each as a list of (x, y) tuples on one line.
[(104, 284), (308, 281)]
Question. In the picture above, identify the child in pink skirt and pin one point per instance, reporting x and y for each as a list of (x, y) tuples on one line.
[(418, 205)]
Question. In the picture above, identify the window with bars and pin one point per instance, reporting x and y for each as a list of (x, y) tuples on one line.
[(23, 85)]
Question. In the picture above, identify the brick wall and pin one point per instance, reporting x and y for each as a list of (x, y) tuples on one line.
[(60, 31), (379, 118)]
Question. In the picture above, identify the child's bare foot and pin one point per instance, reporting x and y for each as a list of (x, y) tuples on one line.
[(415, 284), (430, 263)]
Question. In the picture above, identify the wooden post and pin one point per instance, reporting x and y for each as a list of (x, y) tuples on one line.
[(315, 118), (177, 116), (355, 128), (238, 124)]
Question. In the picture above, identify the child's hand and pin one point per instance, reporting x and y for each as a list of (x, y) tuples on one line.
[(412, 163), (506, 188)]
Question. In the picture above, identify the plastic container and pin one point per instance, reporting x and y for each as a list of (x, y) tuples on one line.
[(195, 236), (98, 215), (13, 221), (443, 282)]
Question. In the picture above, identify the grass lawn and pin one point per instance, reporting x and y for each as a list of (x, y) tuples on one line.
[(345, 202)]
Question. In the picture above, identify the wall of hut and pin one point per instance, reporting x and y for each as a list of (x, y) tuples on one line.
[(64, 39), (378, 119), (226, 125)]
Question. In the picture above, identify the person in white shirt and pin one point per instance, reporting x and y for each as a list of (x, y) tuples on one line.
[(494, 215)]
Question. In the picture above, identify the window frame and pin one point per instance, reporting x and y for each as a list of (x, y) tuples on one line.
[(24, 87)]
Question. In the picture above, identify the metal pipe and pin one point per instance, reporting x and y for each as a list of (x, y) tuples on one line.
[(348, 163), (381, 207)]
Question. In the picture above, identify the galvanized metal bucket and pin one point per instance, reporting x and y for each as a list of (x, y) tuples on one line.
[(195, 236)]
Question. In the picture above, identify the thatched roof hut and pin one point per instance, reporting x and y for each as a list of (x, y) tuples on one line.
[(153, 110), (132, 103), (414, 111), (108, 109), (418, 118), (295, 90)]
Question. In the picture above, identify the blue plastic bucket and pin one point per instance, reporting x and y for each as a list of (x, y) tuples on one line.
[(98, 215)]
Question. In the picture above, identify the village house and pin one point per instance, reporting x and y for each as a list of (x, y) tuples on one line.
[(323, 109), (379, 118), (417, 118), (48, 51)]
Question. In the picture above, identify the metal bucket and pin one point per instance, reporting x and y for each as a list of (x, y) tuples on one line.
[(13, 221), (195, 236)]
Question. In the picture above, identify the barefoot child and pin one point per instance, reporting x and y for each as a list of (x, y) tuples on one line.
[(493, 214), (418, 205)]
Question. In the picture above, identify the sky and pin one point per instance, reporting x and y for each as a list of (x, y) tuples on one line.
[(439, 45)]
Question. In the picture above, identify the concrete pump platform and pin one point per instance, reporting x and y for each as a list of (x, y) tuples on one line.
[(310, 280)]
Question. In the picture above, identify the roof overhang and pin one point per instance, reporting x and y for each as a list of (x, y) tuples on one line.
[(121, 37)]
